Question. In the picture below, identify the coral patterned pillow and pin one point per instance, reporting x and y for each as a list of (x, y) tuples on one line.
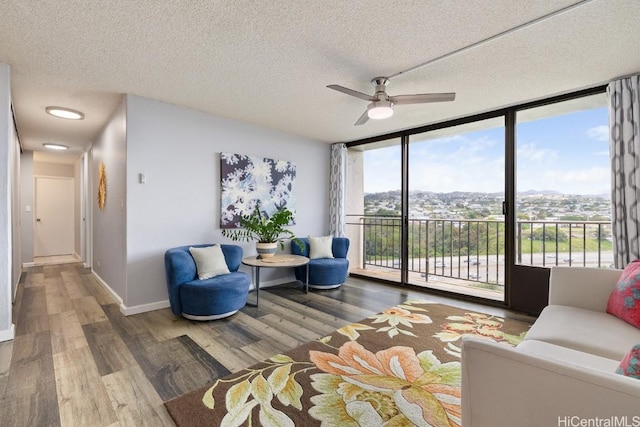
[(624, 301), (630, 365)]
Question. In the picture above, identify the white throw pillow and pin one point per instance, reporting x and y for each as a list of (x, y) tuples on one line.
[(209, 261), (320, 247)]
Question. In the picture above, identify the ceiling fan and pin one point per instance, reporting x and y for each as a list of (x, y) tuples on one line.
[(381, 104)]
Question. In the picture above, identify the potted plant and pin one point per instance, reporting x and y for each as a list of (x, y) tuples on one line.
[(269, 232)]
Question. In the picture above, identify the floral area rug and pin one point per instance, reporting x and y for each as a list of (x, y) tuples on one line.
[(397, 368)]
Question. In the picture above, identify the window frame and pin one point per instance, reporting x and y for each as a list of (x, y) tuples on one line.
[(509, 115)]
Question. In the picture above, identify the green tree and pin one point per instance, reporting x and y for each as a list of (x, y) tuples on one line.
[(385, 212), (549, 234)]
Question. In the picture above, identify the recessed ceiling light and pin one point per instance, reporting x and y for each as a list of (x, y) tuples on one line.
[(65, 113), (56, 146)]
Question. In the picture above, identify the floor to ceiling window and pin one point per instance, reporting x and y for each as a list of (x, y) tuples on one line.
[(471, 206), (374, 209), (563, 184), (455, 219)]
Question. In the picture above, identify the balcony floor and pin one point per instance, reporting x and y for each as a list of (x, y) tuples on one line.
[(459, 286)]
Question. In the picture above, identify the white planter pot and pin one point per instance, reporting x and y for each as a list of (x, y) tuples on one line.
[(266, 250)]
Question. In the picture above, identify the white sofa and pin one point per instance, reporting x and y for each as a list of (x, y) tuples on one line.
[(564, 370)]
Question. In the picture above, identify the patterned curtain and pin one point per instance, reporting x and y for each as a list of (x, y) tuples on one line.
[(624, 123), (337, 180)]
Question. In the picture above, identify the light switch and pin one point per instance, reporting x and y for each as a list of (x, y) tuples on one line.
[(27, 208), (142, 178)]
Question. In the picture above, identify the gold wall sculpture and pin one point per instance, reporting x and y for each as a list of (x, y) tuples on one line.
[(102, 186)]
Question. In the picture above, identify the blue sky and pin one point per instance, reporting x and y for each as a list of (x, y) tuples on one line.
[(567, 153)]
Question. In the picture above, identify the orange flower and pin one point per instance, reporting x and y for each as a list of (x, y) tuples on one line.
[(353, 360), (391, 387), (472, 324)]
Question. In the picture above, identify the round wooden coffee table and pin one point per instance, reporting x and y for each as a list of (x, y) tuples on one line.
[(276, 261)]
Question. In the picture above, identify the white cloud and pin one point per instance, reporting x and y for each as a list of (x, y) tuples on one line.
[(465, 165), (529, 152), (599, 133), (472, 173), (477, 165), (595, 180)]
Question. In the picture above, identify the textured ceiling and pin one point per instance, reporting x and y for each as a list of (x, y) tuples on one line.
[(269, 63)]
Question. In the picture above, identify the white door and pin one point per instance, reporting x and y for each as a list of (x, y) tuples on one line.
[(53, 229)]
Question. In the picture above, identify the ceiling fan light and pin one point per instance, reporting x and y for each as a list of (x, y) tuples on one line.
[(379, 110)]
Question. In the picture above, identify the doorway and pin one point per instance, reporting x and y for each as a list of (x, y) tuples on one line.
[(563, 197), (54, 216), (432, 209), (456, 219)]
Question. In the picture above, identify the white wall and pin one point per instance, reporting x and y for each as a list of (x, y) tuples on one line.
[(178, 151), (6, 255), (77, 207), (109, 225), (53, 169), (86, 199), (26, 199), (14, 155)]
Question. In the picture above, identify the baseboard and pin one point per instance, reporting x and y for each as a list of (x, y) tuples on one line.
[(8, 334), (107, 287), (137, 309), (15, 292), (28, 264)]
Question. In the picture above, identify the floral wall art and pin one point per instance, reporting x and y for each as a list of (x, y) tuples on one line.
[(247, 181)]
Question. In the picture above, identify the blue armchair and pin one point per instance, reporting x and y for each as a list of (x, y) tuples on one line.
[(324, 273), (207, 299)]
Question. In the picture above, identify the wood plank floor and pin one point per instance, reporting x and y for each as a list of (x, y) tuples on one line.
[(77, 361)]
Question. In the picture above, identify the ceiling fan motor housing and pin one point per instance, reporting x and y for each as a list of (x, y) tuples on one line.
[(380, 84)]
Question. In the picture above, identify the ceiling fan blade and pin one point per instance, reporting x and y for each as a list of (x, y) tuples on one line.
[(352, 92), (363, 118), (422, 98)]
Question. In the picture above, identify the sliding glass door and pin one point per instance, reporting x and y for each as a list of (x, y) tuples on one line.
[(482, 206), (563, 194), (456, 226)]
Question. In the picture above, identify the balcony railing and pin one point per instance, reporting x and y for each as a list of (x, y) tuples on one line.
[(473, 250)]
